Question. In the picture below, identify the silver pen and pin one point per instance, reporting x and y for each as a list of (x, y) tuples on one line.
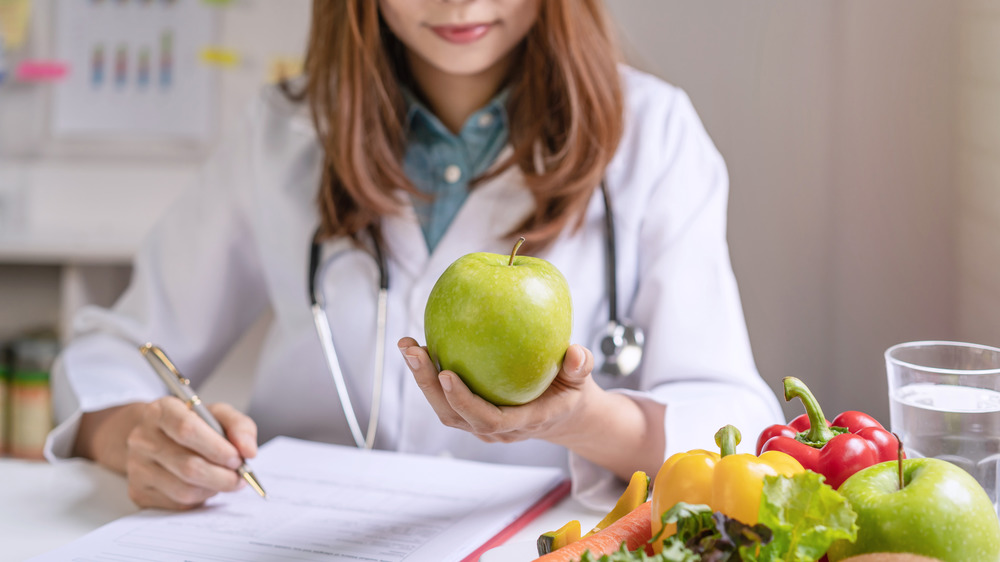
[(181, 388)]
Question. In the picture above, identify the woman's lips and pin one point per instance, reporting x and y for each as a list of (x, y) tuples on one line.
[(462, 34)]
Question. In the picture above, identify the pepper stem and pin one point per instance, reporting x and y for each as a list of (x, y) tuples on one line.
[(513, 252), (819, 433), (727, 439)]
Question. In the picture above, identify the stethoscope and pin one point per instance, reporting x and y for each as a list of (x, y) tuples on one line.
[(620, 344)]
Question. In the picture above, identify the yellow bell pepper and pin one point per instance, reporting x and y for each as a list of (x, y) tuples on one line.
[(554, 540), (730, 483), (635, 494)]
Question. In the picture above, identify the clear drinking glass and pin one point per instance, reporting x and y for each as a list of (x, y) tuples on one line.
[(944, 400)]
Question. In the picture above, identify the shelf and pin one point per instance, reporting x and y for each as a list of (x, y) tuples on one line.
[(67, 248)]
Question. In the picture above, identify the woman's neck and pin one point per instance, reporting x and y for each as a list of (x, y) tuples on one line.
[(453, 98)]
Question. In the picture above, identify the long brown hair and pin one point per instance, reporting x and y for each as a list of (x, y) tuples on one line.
[(565, 111)]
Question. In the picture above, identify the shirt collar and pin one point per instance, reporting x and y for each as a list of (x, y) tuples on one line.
[(416, 109)]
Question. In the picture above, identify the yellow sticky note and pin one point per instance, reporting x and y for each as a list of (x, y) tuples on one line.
[(215, 56), (283, 68), (14, 18)]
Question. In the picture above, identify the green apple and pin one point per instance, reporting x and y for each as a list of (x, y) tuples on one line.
[(501, 323), (940, 512)]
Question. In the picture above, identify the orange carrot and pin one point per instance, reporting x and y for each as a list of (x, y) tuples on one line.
[(633, 529)]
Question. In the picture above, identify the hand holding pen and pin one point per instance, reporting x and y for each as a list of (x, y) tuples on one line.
[(176, 460)]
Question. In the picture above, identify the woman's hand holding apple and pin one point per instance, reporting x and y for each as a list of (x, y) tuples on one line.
[(553, 414), (606, 428), (504, 324)]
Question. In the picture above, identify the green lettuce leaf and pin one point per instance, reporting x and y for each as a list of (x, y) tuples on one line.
[(709, 536), (805, 515)]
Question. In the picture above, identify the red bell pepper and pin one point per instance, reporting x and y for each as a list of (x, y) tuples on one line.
[(836, 450)]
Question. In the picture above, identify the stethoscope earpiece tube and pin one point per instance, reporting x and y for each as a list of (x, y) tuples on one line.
[(330, 353), (322, 323), (314, 250), (383, 266), (610, 270)]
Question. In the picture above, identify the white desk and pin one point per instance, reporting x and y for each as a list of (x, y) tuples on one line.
[(43, 506)]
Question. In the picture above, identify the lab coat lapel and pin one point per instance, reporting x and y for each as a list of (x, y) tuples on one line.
[(404, 239), (492, 210)]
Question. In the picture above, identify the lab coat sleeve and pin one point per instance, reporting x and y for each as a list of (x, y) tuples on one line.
[(196, 287), (697, 359)]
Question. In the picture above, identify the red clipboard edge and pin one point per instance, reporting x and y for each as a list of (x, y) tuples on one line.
[(541, 506)]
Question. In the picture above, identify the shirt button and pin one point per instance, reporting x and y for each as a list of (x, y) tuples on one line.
[(452, 174), (485, 120)]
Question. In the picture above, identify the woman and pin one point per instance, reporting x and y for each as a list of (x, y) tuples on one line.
[(437, 129)]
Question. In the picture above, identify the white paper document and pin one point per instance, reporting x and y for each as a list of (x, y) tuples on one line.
[(328, 502)]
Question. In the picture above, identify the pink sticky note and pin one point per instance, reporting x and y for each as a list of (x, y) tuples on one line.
[(40, 71)]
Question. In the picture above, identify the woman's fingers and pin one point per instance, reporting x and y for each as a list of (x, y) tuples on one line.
[(426, 376), (453, 402), (578, 363), (151, 485), (241, 431), (194, 470), (489, 422), (185, 428), (459, 407), (176, 460), (151, 445), (482, 417)]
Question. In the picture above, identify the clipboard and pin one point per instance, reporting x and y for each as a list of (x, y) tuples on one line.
[(541, 506)]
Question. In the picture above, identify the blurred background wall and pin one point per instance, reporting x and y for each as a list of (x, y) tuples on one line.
[(863, 145), (838, 123)]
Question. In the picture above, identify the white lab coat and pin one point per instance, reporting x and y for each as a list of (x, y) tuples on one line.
[(237, 245)]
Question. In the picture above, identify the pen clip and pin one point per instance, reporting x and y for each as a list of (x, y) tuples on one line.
[(158, 353)]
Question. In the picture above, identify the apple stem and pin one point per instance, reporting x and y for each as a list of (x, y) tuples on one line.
[(727, 439), (899, 458), (513, 252)]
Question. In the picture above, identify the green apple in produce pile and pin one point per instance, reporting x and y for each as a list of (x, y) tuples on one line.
[(502, 323), (940, 512)]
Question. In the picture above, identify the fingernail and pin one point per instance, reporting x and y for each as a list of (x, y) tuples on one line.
[(445, 382), (413, 360), (234, 463)]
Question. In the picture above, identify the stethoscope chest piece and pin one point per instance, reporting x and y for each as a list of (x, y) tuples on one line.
[(621, 347)]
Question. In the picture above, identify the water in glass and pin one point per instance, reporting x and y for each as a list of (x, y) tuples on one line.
[(959, 424)]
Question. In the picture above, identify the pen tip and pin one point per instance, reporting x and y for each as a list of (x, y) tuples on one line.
[(252, 480)]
